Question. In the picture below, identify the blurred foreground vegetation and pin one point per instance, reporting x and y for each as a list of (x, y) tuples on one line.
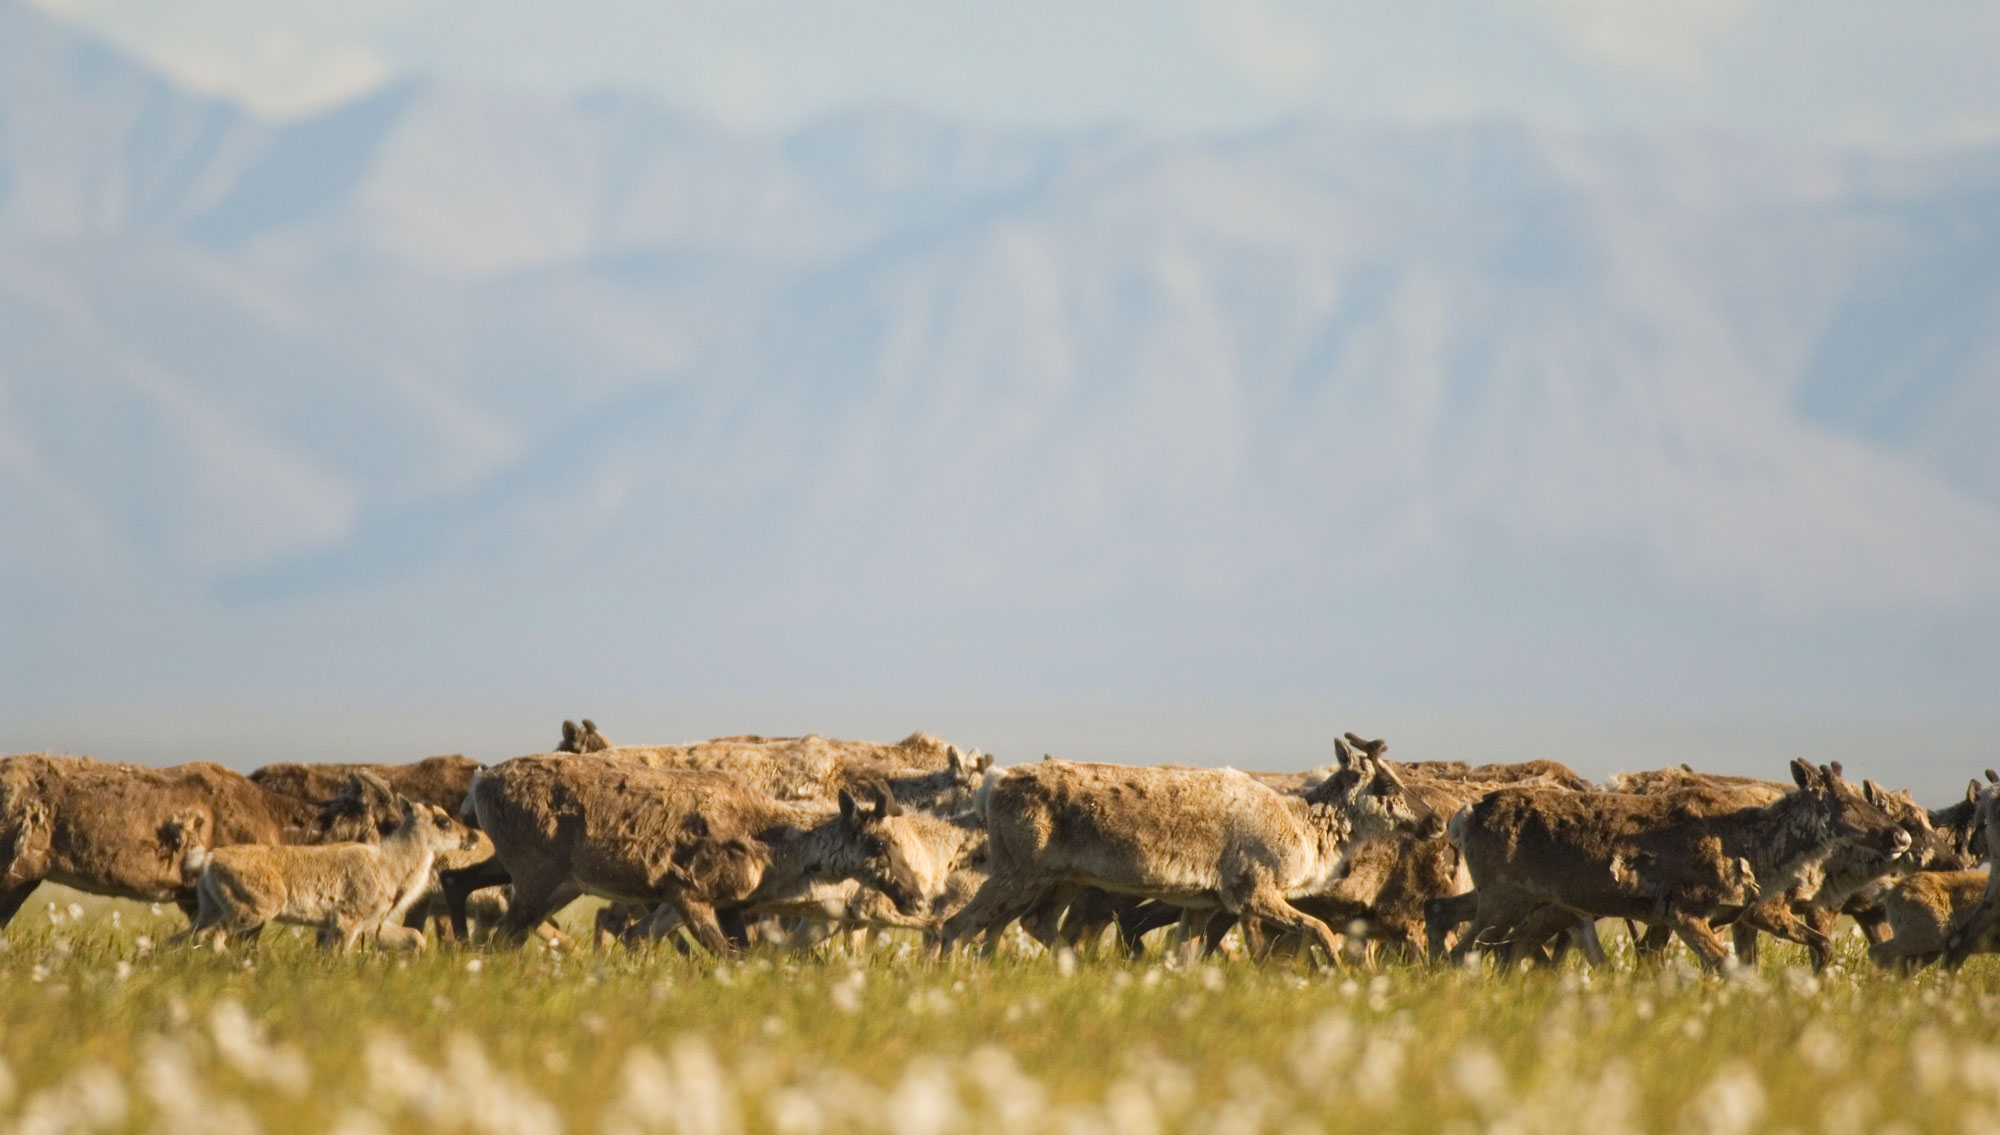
[(105, 1028)]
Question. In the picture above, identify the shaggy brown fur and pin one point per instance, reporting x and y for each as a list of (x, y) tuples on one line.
[(1920, 911), (120, 830), (923, 771), (1391, 881), (704, 842), (1679, 858), (344, 889), (1196, 838), (1963, 839), (441, 782), (946, 859), (1553, 773), (1655, 781), (1850, 882), (1974, 931)]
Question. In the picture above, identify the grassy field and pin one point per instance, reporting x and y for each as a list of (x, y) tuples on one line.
[(103, 1028)]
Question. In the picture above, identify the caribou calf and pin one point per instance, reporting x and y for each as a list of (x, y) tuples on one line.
[(344, 889), (1920, 911)]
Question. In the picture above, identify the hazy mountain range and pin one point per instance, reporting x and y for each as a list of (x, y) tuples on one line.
[(454, 391)]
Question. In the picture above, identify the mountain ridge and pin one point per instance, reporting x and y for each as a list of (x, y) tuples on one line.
[(971, 391)]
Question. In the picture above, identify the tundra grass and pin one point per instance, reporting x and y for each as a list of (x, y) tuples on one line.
[(103, 1027)]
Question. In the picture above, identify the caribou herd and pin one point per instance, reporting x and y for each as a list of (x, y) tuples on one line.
[(715, 845)]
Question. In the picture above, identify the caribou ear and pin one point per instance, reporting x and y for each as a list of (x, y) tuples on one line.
[(1343, 754), (847, 805), (955, 760), (1872, 792), (366, 784), (1992, 776), (1686, 767), (589, 726), (885, 801), (1838, 772), (1803, 773), (982, 762), (569, 735), (1972, 792)]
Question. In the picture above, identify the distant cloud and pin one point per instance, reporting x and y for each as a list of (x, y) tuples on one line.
[(278, 72), (1274, 47), (1822, 70), (279, 59), (1667, 40)]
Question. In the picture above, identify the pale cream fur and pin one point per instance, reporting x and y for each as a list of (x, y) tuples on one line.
[(344, 890)]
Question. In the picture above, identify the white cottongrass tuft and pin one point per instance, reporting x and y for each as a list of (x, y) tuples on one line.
[(91, 1099), (1480, 1076), (688, 1093), (925, 1101), (466, 1093), (172, 1082), (243, 1046), (1730, 1104)]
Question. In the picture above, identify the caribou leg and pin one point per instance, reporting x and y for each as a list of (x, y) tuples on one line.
[(459, 883), (12, 899)]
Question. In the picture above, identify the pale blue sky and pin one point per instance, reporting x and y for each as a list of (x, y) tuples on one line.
[(1824, 70)]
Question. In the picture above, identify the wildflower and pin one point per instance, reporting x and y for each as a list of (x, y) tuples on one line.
[(845, 994), (242, 1046), (394, 1073), (1930, 1058), (1376, 1072), (1479, 1074), (489, 1101), (924, 1102), (648, 1101), (794, 1113), (355, 1121), (1822, 1049), (707, 1102), (1130, 1109), (98, 1097), (1731, 1104), (1013, 1098), (1321, 1049), (168, 1075)]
